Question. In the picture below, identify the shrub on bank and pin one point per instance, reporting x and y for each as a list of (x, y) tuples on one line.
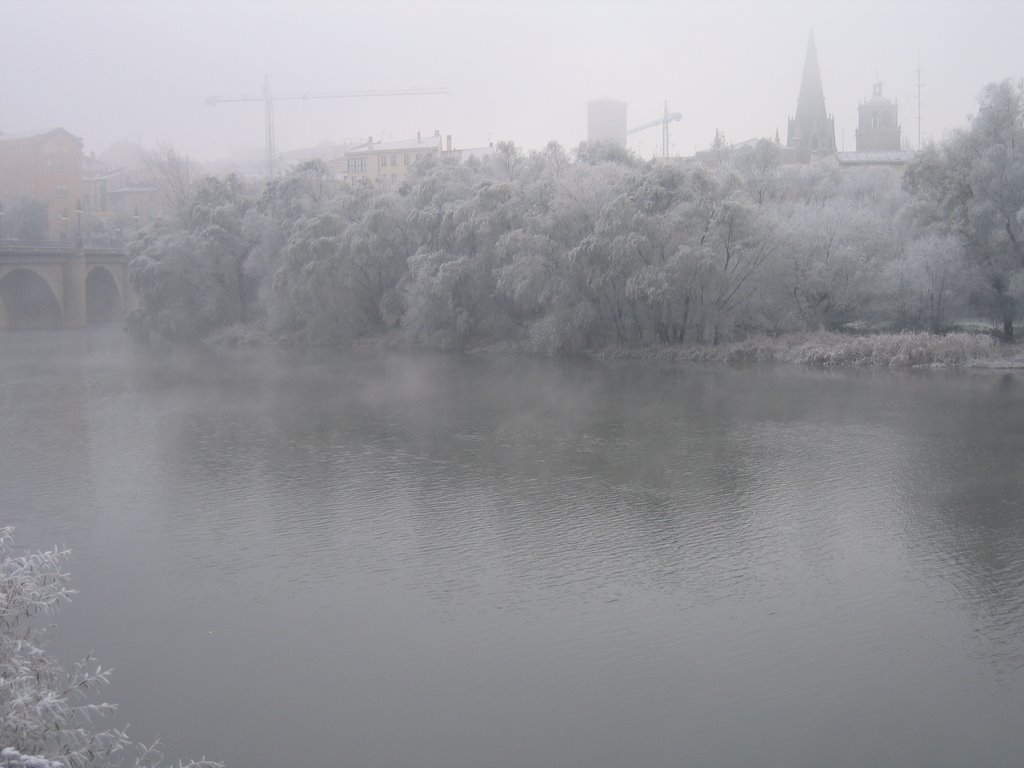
[(831, 350), (892, 349)]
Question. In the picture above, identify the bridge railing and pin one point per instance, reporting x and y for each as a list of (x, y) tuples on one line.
[(37, 245), (51, 247)]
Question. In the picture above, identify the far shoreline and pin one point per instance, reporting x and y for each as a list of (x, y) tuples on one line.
[(819, 349), (830, 349)]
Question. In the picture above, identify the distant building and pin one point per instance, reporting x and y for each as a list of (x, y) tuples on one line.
[(811, 135), (330, 153), (472, 153), (721, 152), (120, 194), (812, 131), (387, 163), (98, 186), (606, 121), (47, 166), (770, 151), (878, 124)]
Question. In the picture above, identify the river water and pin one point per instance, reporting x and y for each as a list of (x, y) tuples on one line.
[(325, 559)]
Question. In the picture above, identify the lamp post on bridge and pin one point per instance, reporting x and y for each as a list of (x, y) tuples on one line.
[(78, 224), (63, 216)]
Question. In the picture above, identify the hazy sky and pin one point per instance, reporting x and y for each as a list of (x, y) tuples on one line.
[(109, 71)]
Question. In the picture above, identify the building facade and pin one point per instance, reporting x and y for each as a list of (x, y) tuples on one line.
[(47, 167)]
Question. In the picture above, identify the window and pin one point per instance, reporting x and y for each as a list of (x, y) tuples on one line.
[(357, 164), (394, 160)]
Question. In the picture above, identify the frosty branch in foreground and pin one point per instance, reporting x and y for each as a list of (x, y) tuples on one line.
[(46, 720)]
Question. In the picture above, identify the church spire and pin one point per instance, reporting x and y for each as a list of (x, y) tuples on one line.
[(811, 101), (812, 130)]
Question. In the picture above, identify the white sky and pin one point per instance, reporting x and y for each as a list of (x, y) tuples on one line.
[(141, 70)]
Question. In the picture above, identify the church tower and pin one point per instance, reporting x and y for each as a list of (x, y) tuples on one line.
[(878, 124), (813, 130)]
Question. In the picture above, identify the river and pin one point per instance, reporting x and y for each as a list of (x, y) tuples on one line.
[(328, 559)]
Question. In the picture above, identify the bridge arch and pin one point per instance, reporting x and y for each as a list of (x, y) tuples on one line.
[(103, 300), (28, 300)]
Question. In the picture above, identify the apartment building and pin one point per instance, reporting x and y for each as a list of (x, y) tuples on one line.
[(387, 163), (46, 166)]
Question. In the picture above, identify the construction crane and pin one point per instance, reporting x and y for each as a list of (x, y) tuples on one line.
[(268, 100), (663, 121)]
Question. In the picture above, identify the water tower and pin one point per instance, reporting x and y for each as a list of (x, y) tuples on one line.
[(606, 121)]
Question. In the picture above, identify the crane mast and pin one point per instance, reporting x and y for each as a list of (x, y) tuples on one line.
[(663, 121), (268, 100)]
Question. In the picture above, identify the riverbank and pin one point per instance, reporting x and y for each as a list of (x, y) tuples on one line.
[(819, 348), (837, 350)]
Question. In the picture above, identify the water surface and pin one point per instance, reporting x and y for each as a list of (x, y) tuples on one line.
[(336, 559)]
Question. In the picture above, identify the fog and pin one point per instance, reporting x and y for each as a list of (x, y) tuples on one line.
[(110, 71)]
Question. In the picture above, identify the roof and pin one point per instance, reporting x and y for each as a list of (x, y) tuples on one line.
[(36, 135), (133, 189), (424, 142), (891, 157), (104, 175), (749, 143), (740, 146), (477, 152)]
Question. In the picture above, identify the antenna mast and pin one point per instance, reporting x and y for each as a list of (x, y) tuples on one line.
[(268, 114), (919, 86)]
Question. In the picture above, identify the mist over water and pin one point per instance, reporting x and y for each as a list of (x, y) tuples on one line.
[(319, 558)]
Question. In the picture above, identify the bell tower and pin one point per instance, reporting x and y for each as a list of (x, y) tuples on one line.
[(878, 124)]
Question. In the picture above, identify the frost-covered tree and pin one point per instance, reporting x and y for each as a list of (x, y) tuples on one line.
[(759, 167), (25, 219), (46, 717), (173, 175), (596, 152), (509, 157), (836, 239), (557, 252), (191, 273), (974, 184)]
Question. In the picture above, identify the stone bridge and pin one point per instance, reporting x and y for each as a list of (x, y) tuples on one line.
[(61, 285)]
